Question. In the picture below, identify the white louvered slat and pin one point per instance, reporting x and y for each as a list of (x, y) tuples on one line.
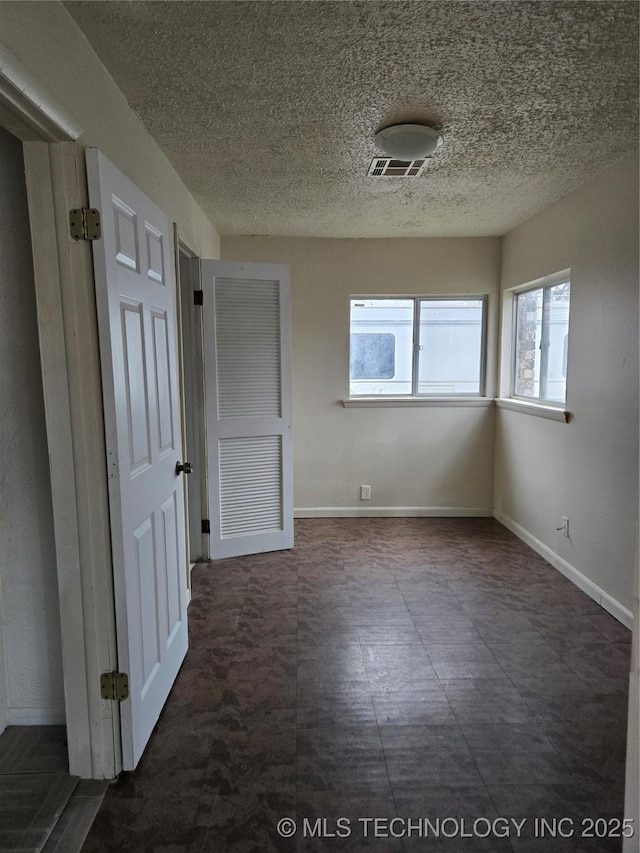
[(250, 485), (248, 348)]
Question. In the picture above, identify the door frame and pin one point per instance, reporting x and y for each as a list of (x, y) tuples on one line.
[(190, 335), (67, 328)]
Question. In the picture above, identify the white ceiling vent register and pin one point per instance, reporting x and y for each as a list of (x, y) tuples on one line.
[(386, 167)]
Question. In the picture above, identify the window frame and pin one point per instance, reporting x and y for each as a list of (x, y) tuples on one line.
[(414, 394), (544, 284)]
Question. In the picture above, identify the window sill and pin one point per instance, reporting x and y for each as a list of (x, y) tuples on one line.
[(552, 413), (397, 402)]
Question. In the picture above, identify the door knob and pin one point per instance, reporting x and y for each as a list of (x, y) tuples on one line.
[(183, 468)]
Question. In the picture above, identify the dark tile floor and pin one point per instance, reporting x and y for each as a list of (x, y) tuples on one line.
[(34, 784), (386, 668), (42, 808)]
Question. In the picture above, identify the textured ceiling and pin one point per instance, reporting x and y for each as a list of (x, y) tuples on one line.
[(268, 109)]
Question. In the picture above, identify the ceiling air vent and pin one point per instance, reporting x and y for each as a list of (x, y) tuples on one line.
[(385, 167)]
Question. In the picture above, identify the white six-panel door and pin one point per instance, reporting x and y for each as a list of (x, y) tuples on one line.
[(247, 368), (136, 302)]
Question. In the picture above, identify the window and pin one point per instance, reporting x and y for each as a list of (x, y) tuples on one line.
[(540, 344), (418, 346)]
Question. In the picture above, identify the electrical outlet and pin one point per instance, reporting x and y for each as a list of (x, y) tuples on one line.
[(565, 526), (365, 493)]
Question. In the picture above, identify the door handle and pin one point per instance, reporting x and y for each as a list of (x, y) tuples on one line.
[(184, 468)]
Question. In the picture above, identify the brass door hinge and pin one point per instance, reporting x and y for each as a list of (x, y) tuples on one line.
[(84, 223), (114, 686)]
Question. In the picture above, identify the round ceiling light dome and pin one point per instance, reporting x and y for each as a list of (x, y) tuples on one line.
[(408, 141)]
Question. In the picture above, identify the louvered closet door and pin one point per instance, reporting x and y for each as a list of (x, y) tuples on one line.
[(247, 355)]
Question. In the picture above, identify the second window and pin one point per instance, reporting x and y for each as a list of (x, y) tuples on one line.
[(419, 346)]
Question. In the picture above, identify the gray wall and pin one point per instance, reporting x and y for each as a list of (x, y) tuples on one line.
[(30, 650), (586, 469)]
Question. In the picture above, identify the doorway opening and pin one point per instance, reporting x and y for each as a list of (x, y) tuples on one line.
[(35, 784), (31, 691)]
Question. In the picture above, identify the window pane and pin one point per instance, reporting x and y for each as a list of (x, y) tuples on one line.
[(542, 334), (528, 340), (450, 355), (381, 346), (556, 363)]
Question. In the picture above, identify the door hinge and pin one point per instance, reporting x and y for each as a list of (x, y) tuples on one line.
[(114, 686), (84, 223), (206, 526), (198, 297)]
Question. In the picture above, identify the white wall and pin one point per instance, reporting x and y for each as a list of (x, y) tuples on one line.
[(49, 44), (586, 469), (29, 594), (411, 457)]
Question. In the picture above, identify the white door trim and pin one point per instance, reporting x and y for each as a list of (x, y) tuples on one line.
[(27, 109), (75, 431), (3, 674), (193, 423), (180, 308), (65, 298)]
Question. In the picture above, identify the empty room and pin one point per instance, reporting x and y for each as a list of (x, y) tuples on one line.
[(328, 315)]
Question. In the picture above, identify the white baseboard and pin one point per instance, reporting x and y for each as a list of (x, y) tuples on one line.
[(592, 590), (35, 717), (392, 512)]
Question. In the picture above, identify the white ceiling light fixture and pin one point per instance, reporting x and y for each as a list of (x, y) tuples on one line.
[(408, 141)]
